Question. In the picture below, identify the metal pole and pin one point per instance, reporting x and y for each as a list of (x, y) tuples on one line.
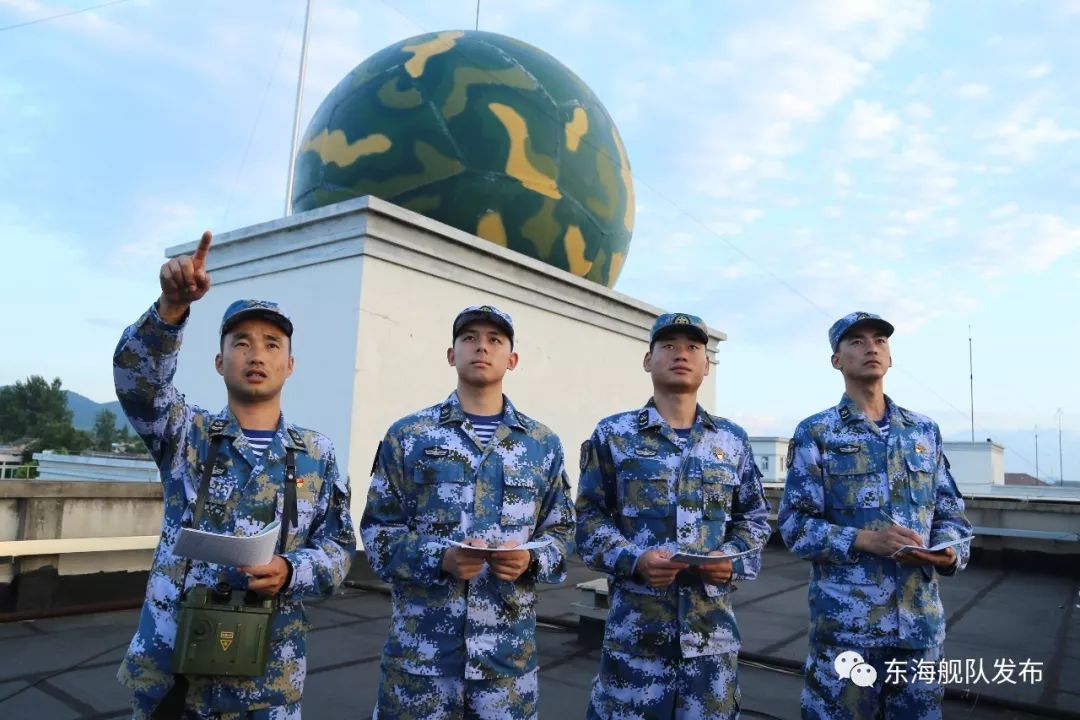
[(1061, 464), (477, 15), (971, 384), (1036, 452), (296, 116)]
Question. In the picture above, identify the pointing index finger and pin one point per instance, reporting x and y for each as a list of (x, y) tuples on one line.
[(204, 247)]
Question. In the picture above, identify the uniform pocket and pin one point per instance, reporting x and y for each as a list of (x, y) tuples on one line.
[(519, 504), (439, 491), (921, 468), (718, 485), (643, 486)]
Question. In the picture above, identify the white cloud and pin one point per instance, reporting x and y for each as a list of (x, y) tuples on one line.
[(1038, 71), (1023, 243), (1021, 141), (776, 80), (869, 128), (1003, 211), (973, 91), (918, 111)]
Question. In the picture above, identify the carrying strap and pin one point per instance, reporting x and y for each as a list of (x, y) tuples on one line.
[(204, 484), (289, 514)]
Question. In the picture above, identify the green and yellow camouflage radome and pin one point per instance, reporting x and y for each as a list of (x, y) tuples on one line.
[(482, 132)]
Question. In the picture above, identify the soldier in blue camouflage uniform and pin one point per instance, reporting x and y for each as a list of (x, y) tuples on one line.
[(864, 479), (476, 470), (666, 478), (246, 493)]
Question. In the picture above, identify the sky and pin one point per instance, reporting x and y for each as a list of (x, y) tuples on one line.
[(792, 162)]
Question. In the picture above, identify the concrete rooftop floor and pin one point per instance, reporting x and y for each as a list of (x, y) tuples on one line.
[(64, 668)]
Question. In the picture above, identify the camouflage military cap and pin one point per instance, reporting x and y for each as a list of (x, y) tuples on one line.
[(671, 322), (844, 324), (265, 309), (489, 313)]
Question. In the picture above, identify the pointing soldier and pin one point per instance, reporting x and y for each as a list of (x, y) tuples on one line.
[(472, 470), (866, 478), (664, 479), (231, 473)]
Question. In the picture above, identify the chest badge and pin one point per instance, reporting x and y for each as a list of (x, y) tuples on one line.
[(646, 452), (718, 453), (848, 449), (436, 452)]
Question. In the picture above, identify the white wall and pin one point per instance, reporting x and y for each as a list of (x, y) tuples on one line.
[(770, 455), (978, 463)]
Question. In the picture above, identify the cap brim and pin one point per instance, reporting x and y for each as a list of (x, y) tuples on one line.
[(263, 314), (883, 325), (480, 316), (686, 329)]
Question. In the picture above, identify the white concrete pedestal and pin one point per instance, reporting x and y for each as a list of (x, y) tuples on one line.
[(373, 289)]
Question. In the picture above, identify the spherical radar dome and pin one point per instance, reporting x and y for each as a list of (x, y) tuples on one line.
[(482, 132)]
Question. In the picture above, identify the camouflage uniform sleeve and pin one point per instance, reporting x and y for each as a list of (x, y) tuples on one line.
[(323, 564), (600, 543), (396, 552), (950, 523), (801, 518), (556, 522), (143, 368), (749, 527)]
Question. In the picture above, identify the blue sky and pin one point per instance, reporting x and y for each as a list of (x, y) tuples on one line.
[(792, 162)]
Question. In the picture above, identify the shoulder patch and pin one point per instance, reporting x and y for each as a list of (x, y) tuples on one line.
[(444, 413), (584, 455), (375, 460), (643, 419), (845, 412), (218, 426), (297, 437), (790, 453)]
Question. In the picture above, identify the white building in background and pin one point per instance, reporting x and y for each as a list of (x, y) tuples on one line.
[(976, 463), (95, 468), (770, 454)]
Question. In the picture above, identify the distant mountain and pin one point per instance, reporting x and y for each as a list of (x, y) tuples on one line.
[(84, 411)]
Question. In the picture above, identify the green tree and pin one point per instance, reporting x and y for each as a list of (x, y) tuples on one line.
[(104, 433), (38, 409)]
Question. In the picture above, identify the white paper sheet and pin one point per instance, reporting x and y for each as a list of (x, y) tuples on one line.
[(231, 550), (695, 559), (532, 545), (936, 548)]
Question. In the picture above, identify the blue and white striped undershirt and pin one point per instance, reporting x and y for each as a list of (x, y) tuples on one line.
[(484, 426), (259, 440), (883, 423)]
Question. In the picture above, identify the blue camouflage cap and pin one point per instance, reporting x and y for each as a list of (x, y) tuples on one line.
[(489, 313), (265, 309), (841, 327), (670, 322)]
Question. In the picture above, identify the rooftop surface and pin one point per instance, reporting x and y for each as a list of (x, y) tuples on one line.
[(63, 668)]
